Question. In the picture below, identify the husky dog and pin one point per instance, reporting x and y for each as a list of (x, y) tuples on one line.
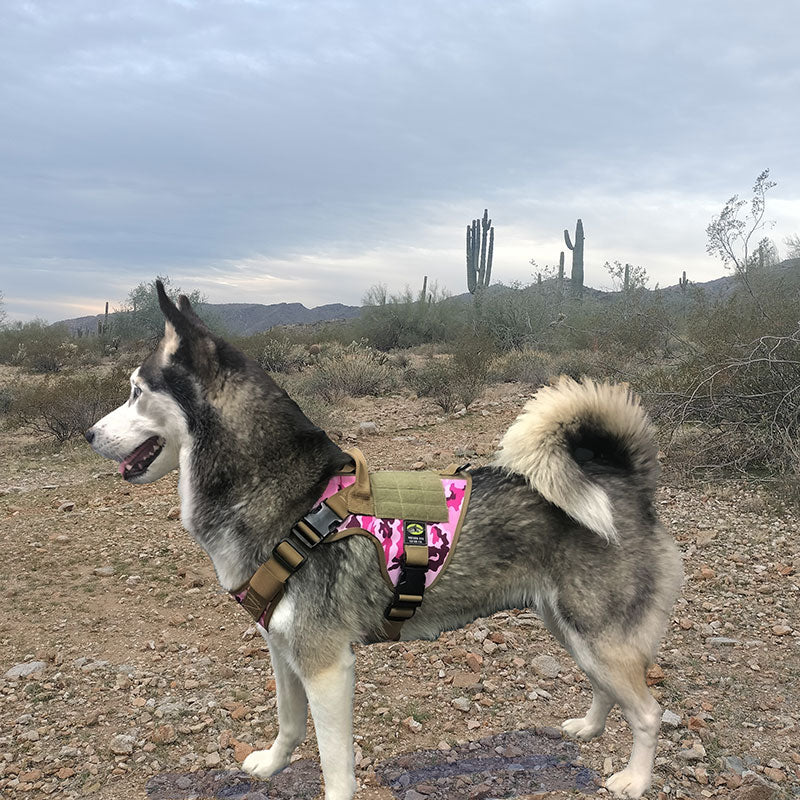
[(562, 522)]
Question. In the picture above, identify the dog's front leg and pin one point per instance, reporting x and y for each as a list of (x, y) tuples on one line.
[(292, 716), (330, 695)]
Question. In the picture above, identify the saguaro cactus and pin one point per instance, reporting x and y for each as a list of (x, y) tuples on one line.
[(577, 258), (480, 249), (683, 282)]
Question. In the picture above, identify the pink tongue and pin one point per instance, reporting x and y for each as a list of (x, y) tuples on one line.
[(136, 454)]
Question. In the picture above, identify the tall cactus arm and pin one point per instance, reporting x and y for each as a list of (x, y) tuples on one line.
[(489, 259), (471, 273), (567, 240)]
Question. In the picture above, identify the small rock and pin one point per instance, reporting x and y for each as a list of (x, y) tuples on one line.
[(696, 753), (412, 724), (132, 580), (122, 744), (368, 428), (412, 794), (733, 764), (753, 791), (706, 573), (174, 512), (212, 759), (104, 572), (777, 775), (418, 465), (655, 675), (164, 734), (489, 646), (462, 704), (68, 506), (781, 630), (474, 661), (241, 750), (670, 719), (608, 766), (721, 641), (546, 666), (25, 669)]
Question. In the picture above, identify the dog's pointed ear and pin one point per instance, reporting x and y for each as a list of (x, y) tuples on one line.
[(171, 312), (188, 311)]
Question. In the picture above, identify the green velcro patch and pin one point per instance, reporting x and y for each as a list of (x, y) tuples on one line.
[(409, 495)]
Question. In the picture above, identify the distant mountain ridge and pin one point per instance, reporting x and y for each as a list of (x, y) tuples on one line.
[(245, 319), (242, 319)]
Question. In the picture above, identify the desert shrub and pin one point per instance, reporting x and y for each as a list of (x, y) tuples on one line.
[(65, 406), (280, 354), (742, 413), (448, 382), (6, 399), (37, 346), (577, 363), (516, 317), (525, 366), (356, 370), (401, 321)]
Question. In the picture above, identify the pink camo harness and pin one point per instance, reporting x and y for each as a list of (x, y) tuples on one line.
[(388, 534)]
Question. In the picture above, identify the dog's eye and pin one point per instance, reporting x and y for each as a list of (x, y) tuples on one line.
[(136, 392)]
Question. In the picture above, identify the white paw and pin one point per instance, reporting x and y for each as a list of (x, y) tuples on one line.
[(263, 763), (629, 783), (581, 729)]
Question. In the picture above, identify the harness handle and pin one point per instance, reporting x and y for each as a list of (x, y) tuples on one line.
[(360, 493)]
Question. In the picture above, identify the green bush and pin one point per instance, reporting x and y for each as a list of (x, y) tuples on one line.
[(6, 399), (280, 354), (64, 406), (355, 370), (447, 383), (37, 346), (401, 321), (525, 366)]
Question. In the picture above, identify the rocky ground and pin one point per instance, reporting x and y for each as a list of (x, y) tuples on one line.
[(125, 672)]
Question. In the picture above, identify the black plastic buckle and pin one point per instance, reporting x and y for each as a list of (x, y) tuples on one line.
[(411, 584), (323, 520)]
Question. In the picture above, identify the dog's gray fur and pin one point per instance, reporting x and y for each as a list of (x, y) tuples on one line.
[(563, 522)]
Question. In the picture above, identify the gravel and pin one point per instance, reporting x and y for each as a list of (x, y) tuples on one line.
[(119, 689)]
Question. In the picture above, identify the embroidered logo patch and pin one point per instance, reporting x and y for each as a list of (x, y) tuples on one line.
[(414, 533)]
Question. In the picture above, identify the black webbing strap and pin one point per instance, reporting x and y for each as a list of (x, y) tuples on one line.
[(408, 593)]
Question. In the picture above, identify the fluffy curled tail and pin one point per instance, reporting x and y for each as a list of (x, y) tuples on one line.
[(569, 435)]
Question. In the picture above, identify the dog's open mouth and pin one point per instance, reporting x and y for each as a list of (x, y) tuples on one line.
[(141, 458)]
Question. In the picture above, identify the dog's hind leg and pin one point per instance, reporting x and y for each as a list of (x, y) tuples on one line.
[(623, 679), (292, 716), (330, 695), (594, 723)]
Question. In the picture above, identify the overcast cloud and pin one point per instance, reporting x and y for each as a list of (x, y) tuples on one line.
[(303, 151)]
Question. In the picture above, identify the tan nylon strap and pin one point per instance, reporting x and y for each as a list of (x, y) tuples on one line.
[(338, 504), (416, 555), (264, 587), (359, 496)]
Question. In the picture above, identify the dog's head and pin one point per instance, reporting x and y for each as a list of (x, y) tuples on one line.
[(147, 433)]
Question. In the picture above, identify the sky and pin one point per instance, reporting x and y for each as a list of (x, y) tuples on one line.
[(304, 151)]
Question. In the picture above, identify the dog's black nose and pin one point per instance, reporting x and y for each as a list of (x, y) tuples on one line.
[(89, 435)]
